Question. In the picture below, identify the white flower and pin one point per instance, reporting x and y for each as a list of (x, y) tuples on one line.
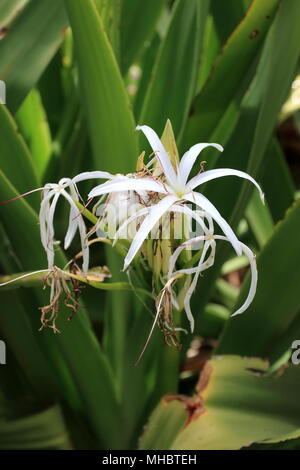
[(175, 189), (205, 263), (51, 194)]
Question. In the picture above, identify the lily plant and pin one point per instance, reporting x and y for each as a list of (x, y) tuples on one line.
[(173, 189), (161, 188)]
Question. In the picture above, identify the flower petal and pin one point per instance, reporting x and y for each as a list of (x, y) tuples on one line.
[(155, 213), (252, 290), (201, 267), (188, 160), (50, 232), (205, 204), (192, 287), (86, 175), (127, 184), (162, 154), (73, 223), (253, 284), (175, 256), (82, 232), (72, 228), (219, 173), (194, 215), (128, 221), (43, 215)]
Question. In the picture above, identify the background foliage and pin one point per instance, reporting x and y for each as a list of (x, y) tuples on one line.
[(79, 76)]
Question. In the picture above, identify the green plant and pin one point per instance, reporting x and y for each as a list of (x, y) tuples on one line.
[(80, 75)]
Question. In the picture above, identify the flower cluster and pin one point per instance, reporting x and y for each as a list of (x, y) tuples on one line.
[(151, 202), (150, 197)]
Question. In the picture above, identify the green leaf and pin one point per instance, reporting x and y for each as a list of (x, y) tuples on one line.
[(173, 80), (15, 158), (111, 123), (138, 21), (277, 175), (18, 334), (259, 219), (238, 53), (234, 406), (223, 18), (276, 303), (226, 17), (169, 416), (110, 12), (40, 431), (32, 121), (212, 321), (211, 48), (147, 63), (28, 47), (8, 10)]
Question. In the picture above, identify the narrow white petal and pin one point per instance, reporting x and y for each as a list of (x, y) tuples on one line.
[(173, 260), (50, 232), (254, 276), (127, 184), (205, 264), (72, 228), (175, 256), (82, 232), (253, 284), (190, 213), (188, 160), (205, 204), (210, 222), (161, 153), (193, 285), (219, 173), (128, 221), (152, 218), (64, 181), (73, 222), (207, 231), (87, 175), (187, 305), (43, 215), (84, 245)]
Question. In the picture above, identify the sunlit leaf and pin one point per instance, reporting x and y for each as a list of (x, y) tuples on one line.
[(232, 408)]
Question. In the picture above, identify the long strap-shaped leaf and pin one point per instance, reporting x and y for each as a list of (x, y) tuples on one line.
[(174, 75), (138, 22), (41, 430), (15, 158), (229, 70), (32, 120), (103, 94)]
